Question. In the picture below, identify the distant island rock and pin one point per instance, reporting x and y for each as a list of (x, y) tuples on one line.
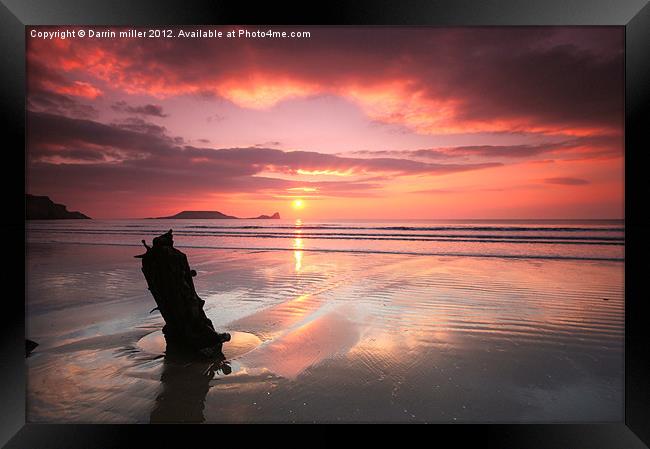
[(43, 208), (275, 216), (198, 214), (214, 215)]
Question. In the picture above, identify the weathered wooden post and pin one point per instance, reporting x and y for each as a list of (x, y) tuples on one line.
[(169, 278)]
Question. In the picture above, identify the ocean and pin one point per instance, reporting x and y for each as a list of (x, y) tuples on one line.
[(551, 239)]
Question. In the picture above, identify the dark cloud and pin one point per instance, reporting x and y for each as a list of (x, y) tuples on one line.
[(551, 86), (272, 143), (566, 181), (596, 146), (475, 190), (137, 156), (147, 109), (141, 137), (53, 103), (215, 118), (139, 125), (47, 129)]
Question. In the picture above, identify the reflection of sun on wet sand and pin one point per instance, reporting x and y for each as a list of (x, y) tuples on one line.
[(297, 253), (289, 355)]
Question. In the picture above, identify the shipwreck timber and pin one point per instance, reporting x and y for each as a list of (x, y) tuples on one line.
[(169, 278)]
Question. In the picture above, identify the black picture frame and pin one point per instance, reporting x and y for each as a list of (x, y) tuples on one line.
[(634, 15)]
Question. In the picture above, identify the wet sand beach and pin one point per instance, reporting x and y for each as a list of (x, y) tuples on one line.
[(328, 337)]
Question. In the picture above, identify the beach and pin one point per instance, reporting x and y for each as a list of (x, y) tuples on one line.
[(326, 336)]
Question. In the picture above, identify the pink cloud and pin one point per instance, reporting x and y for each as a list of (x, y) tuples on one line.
[(431, 80)]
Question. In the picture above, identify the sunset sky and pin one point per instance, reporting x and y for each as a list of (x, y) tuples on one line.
[(357, 122)]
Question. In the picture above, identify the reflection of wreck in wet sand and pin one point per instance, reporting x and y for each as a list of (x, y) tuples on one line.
[(185, 385), (185, 379), (193, 347)]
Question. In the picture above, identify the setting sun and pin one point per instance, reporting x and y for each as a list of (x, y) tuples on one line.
[(298, 204)]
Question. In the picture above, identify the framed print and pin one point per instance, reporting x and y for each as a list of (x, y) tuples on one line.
[(368, 213)]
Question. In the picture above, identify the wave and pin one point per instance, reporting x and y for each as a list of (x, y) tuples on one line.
[(374, 228), (425, 228), (364, 251), (559, 240)]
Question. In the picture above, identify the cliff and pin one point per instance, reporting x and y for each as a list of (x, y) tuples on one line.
[(43, 208)]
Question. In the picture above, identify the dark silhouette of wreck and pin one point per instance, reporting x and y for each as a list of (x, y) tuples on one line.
[(187, 329)]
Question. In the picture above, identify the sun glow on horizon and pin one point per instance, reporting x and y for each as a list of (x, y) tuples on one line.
[(298, 203)]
